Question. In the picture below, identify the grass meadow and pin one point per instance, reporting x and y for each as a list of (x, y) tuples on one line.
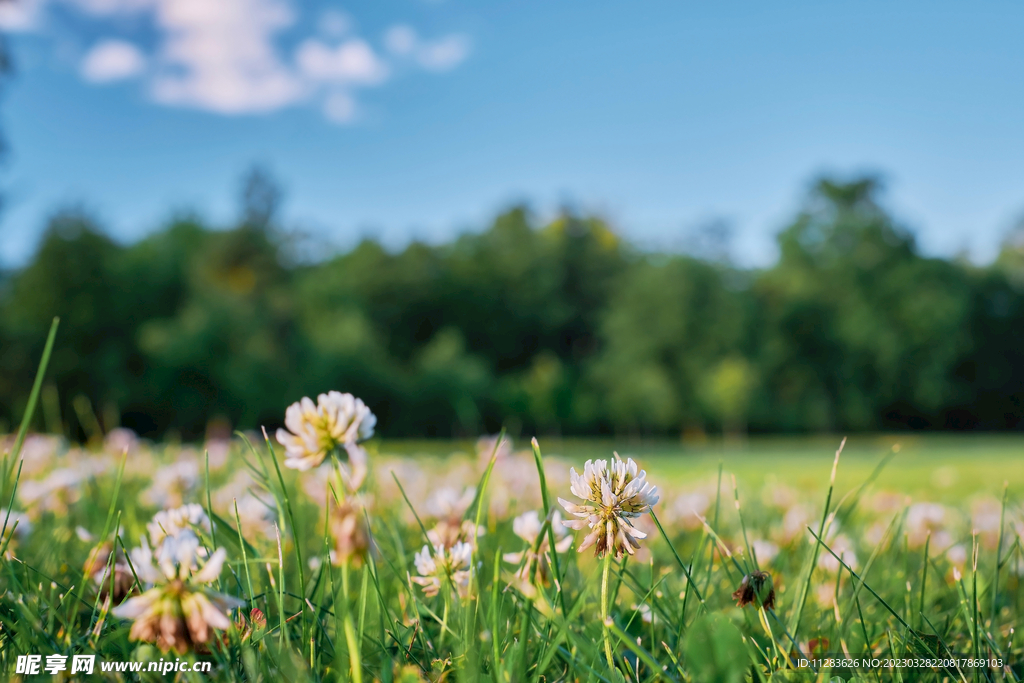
[(770, 559)]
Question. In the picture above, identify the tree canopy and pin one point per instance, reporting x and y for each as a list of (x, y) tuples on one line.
[(556, 327)]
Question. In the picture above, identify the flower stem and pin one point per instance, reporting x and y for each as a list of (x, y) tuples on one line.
[(350, 632), (604, 610)]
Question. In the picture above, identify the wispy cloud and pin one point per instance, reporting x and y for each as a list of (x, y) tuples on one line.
[(442, 54), (227, 56), (112, 60)]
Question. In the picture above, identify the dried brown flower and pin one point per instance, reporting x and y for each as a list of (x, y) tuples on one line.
[(757, 589)]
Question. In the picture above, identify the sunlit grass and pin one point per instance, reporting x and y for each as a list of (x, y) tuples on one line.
[(759, 554)]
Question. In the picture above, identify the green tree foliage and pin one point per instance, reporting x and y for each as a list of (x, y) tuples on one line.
[(559, 327)]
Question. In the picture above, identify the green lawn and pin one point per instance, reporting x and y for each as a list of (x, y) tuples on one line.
[(938, 467)]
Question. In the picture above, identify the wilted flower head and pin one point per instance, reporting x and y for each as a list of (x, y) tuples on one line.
[(614, 494), (119, 576), (434, 565), (527, 526), (178, 613), (757, 589), (251, 625), (336, 420)]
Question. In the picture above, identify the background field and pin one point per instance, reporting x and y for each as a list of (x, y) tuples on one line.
[(945, 468)]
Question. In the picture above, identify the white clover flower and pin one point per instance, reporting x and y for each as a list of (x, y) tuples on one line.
[(336, 420), (448, 505), (434, 565), (447, 532), (614, 494), (172, 522), (178, 613), (527, 526)]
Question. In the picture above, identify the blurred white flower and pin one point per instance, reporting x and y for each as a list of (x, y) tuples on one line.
[(687, 506), (646, 615), (174, 483), (176, 520), (766, 551), (843, 547), (337, 420), (61, 487), (218, 451), (120, 439), (614, 494), (37, 452), (957, 556), (449, 503), (986, 515), (488, 446), (12, 517), (439, 564), (928, 519), (794, 524)]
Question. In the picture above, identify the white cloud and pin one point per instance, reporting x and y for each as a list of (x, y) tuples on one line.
[(220, 55), (353, 61), (112, 60), (24, 15), (101, 8), (444, 54), (439, 55), (225, 56)]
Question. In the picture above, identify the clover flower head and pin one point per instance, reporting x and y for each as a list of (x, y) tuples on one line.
[(172, 522), (437, 563), (447, 532), (614, 494), (178, 613), (351, 536), (314, 430), (527, 526)]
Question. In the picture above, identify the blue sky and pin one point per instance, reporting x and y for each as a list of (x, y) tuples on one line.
[(418, 120)]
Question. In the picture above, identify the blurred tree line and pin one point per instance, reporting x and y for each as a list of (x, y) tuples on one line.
[(554, 328)]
